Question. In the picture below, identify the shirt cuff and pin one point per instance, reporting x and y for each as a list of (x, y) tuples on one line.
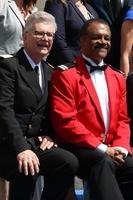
[(102, 148), (123, 150)]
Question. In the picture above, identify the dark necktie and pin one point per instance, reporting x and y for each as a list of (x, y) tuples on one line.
[(94, 68), (36, 69)]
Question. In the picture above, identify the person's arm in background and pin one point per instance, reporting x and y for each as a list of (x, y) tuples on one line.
[(126, 45), (126, 41)]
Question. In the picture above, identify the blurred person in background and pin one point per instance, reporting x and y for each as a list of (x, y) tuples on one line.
[(70, 15), (13, 15)]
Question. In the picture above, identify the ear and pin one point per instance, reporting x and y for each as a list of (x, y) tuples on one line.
[(24, 36)]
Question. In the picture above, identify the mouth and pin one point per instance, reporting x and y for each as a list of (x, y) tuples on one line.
[(102, 48), (43, 45)]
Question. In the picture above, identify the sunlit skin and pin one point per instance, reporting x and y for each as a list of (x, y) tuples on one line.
[(97, 42), (41, 47)]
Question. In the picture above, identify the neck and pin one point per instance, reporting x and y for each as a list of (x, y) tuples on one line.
[(96, 61)]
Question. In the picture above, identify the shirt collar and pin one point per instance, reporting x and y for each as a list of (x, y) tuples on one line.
[(92, 62), (32, 63)]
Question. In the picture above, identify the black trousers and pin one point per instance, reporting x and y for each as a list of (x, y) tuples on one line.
[(107, 181), (58, 167)]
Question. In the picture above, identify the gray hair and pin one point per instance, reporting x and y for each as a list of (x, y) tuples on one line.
[(40, 16)]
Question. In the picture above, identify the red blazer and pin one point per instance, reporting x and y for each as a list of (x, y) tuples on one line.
[(76, 113)]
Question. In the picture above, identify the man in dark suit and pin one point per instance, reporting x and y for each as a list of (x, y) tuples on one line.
[(115, 13), (26, 148), (88, 102)]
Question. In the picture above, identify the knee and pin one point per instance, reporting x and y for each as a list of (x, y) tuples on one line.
[(71, 162), (107, 161)]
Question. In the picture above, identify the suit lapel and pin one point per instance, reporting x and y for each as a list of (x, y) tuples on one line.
[(86, 79), (111, 84), (77, 10), (28, 74)]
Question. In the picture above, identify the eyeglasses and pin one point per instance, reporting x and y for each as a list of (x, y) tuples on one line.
[(40, 35)]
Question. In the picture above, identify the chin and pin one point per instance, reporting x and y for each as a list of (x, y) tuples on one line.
[(44, 52), (102, 55)]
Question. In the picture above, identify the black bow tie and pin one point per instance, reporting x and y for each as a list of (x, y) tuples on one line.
[(93, 68)]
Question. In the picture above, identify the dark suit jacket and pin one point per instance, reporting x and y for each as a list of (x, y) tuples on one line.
[(114, 19), (69, 21), (23, 109), (105, 10)]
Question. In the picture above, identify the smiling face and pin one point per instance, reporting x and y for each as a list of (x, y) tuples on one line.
[(39, 47), (96, 43)]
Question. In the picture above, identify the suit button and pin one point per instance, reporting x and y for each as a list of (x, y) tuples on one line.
[(30, 126)]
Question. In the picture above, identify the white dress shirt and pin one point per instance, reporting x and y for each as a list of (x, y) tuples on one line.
[(39, 70), (99, 81)]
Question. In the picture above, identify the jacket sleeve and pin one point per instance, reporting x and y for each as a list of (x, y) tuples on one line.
[(122, 136), (10, 130)]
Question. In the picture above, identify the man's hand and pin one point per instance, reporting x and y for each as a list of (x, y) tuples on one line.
[(111, 152), (28, 162), (118, 159), (116, 155), (46, 142)]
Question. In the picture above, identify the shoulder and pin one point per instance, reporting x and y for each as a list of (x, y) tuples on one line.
[(7, 60), (51, 67), (116, 70), (65, 78), (66, 66), (8, 66), (92, 10), (53, 4), (65, 70), (48, 68)]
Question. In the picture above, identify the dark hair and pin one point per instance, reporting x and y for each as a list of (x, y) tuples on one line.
[(87, 24), (64, 2), (27, 3)]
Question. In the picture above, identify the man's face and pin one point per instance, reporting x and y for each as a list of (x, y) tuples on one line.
[(97, 42), (38, 40)]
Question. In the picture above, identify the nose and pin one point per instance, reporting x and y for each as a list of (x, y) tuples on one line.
[(45, 37), (103, 40)]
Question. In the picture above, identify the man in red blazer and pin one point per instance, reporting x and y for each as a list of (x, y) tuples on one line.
[(89, 114)]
